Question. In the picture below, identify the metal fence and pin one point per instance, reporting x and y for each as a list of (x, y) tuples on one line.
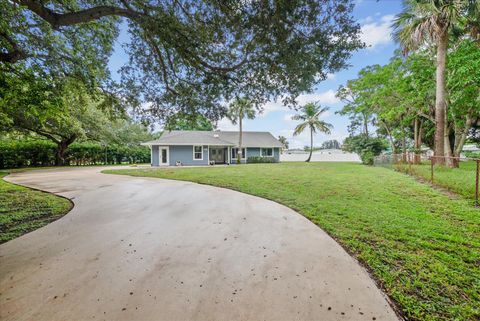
[(460, 175)]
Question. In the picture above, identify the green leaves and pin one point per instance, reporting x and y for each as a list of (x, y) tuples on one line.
[(186, 56), (240, 108), (310, 117)]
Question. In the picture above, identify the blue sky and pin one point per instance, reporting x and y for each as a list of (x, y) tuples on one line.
[(375, 18)]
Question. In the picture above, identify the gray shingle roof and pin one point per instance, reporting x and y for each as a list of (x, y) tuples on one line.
[(218, 138)]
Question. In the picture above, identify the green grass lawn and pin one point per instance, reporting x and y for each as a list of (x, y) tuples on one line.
[(23, 210), (458, 180), (422, 246)]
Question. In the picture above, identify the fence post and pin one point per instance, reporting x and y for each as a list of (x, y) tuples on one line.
[(476, 183)]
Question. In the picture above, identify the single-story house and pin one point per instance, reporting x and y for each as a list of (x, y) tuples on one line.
[(211, 147)]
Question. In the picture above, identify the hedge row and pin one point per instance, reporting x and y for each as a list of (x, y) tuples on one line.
[(14, 154), (258, 159)]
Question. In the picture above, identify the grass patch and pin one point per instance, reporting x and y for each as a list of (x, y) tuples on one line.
[(23, 210), (460, 180), (423, 247)]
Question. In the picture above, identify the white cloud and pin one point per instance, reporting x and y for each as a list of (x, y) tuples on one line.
[(288, 117), (326, 97), (376, 33), (330, 76), (226, 125), (272, 106)]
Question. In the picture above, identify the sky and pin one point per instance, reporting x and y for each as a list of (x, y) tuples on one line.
[(375, 18)]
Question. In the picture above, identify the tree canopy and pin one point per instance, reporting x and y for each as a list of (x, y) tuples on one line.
[(62, 112), (436, 23), (187, 56), (183, 121), (399, 98)]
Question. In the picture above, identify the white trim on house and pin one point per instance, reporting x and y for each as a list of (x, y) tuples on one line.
[(151, 155), (261, 152), (198, 159), (160, 148)]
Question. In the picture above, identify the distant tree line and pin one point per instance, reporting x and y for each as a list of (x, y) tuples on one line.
[(328, 144)]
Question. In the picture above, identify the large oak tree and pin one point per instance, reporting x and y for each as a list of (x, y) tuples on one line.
[(185, 55)]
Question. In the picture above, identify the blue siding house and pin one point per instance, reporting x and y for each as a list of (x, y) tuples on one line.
[(189, 148)]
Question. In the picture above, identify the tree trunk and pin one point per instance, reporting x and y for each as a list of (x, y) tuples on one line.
[(390, 139), (461, 134), (449, 161), (61, 149), (311, 146), (417, 140), (440, 101), (239, 151), (404, 147), (365, 125)]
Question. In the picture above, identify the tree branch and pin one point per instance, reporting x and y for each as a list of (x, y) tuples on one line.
[(15, 54), (158, 55), (56, 19)]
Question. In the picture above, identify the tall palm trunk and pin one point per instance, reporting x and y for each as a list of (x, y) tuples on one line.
[(239, 151), (440, 102), (311, 145)]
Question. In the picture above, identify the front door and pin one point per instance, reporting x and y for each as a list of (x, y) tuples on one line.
[(163, 155), (217, 155)]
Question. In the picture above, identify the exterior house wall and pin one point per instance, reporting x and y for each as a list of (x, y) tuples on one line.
[(276, 154), (155, 156), (255, 152), (184, 154)]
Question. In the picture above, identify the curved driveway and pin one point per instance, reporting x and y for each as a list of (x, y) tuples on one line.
[(152, 249)]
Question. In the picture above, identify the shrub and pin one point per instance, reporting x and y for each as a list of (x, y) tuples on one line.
[(366, 148), (258, 159), (25, 153), (472, 154), (367, 156)]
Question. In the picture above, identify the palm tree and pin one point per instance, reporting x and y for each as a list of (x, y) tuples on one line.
[(284, 141), (310, 118), (239, 109), (431, 21)]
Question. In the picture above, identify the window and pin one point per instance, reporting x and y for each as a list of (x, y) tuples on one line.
[(235, 152), (164, 155), (197, 152), (266, 152)]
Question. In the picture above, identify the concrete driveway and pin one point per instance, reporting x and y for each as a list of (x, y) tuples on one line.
[(151, 249)]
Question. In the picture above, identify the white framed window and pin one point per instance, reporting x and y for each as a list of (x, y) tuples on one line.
[(198, 152), (266, 152), (235, 152)]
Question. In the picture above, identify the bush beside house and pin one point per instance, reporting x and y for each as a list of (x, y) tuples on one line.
[(258, 159)]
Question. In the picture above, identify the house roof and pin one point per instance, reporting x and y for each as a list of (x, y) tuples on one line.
[(216, 138)]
